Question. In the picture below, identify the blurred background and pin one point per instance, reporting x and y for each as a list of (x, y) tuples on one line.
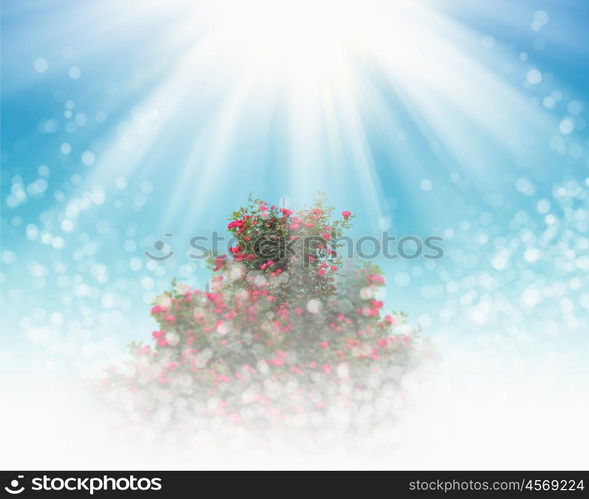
[(129, 123)]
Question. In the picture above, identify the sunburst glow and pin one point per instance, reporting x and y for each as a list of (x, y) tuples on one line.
[(314, 71), (130, 127)]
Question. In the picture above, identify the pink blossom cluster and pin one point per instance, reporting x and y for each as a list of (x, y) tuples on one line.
[(285, 335)]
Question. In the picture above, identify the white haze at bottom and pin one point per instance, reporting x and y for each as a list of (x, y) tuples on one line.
[(483, 405)]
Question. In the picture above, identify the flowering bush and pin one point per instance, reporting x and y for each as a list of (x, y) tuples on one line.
[(285, 329)]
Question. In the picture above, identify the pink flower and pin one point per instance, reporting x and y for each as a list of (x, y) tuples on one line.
[(390, 319), (220, 261), (376, 279), (321, 272), (323, 344), (235, 250), (285, 212), (326, 236), (326, 368), (346, 214)]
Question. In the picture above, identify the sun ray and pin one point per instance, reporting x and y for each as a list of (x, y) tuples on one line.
[(308, 57)]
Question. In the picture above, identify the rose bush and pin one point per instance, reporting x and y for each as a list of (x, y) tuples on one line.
[(286, 329)]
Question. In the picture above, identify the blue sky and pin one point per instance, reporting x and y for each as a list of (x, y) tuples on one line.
[(125, 121)]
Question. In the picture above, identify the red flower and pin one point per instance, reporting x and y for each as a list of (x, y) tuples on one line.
[(375, 279), (220, 261), (346, 214)]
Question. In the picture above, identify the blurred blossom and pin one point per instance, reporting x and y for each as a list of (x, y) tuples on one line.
[(467, 125)]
